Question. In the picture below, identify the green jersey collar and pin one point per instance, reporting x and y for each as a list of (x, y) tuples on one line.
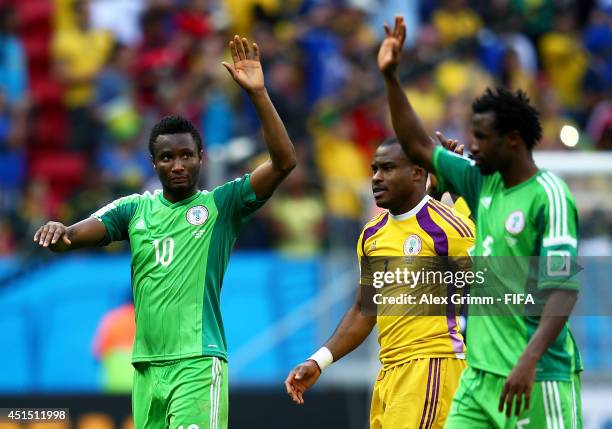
[(178, 203), (522, 184)]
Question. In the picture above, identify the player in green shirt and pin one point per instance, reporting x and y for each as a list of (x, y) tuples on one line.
[(181, 239), (522, 370)]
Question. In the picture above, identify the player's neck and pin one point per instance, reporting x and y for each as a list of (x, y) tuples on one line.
[(175, 197), (520, 170), (408, 205)]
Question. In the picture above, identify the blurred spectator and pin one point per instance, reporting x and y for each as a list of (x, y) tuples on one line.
[(345, 175), (455, 20), (427, 100), (599, 126), (514, 77), (79, 54), (156, 62), (564, 60), (536, 16), (325, 69), (13, 72), (113, 347), (298, 214), (114, 97)]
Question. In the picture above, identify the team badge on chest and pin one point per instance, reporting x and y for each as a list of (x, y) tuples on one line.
[(197, 215), (515, 222), (412, 245)]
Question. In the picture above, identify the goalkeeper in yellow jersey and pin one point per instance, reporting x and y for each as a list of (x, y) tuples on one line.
[(422, 357)]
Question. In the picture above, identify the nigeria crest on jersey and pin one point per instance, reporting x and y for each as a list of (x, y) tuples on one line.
[(515, 222), (197, 215), (412, 245)]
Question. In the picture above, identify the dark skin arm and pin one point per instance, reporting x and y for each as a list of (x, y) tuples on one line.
[(454, 146), (60, 238), (353, 329), (247, 72), (407, 126), (520, 381)]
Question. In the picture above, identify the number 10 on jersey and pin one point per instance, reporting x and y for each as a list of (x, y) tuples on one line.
[(167, 251)]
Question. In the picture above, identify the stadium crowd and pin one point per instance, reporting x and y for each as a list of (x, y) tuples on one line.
[(81, 83)]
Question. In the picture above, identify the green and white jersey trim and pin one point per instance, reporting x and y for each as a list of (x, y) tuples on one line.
[(216, 377), (557, 212)]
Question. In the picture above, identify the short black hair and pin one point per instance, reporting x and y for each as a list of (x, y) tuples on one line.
[(512, 113), (389, 142), (394, 140), (174, 125)]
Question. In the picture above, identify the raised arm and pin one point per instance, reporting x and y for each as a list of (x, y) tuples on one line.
[(353, 329), (247, 72), (60, 238), (406, 123)]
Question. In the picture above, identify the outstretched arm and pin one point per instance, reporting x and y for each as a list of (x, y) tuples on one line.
[(247, 72), (60, 238), (406, 123), (352, 331)]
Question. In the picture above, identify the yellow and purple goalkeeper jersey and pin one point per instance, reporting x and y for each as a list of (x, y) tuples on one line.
[(536, 218), (179, 255), (430, 229)]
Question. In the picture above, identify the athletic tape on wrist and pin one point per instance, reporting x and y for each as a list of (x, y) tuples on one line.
[(323, 357)]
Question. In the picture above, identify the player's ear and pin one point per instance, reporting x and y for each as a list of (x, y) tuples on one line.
[(513, 138), (201, 155), (418, 173)]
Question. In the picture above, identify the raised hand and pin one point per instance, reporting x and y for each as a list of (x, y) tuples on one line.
[(450, 144), (300, 379), (53, 235), (246, 70), (391, 47)]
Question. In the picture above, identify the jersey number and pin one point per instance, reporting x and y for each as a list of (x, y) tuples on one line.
[(167, 251)]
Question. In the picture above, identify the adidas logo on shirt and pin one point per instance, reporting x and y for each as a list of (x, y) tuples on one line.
[(486, 201), (140, 225)]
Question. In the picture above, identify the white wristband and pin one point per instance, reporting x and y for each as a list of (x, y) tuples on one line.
[(323, 357)]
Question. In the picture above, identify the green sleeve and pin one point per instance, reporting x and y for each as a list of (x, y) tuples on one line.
[(116, 218), (557, 221), (238, 199), (457, 175)]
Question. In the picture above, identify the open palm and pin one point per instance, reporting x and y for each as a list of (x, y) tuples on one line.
[(246, 69), (391, 47)]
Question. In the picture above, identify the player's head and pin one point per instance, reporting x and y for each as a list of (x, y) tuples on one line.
[(395, 179), (504, 125), (176, 151), (80, 9)]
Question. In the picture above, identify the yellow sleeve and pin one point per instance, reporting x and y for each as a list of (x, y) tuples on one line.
[(462, 207)]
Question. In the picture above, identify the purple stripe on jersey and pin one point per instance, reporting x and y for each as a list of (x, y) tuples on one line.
[(426, 397), (433, 229), (372, 230), (436, 392), (451, 321), (447, 218), (460, 221)]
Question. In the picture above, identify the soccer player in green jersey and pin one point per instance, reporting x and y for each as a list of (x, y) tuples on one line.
[(181, 238), (522, 371)]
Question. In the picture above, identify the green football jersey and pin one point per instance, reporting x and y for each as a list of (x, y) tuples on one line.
[(535, 218), (179, 255)]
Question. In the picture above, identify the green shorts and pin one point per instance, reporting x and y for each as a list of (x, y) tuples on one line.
[(181, 394), (553, 404)]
